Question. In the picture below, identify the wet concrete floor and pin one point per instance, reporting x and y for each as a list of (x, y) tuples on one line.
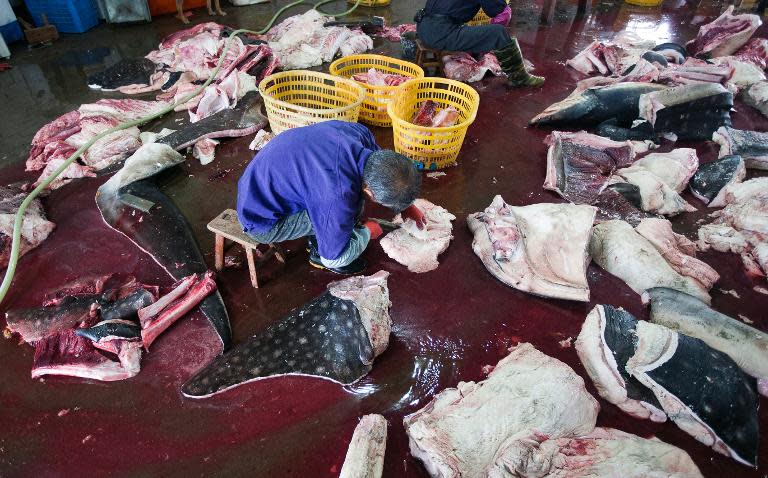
[(447, 323)]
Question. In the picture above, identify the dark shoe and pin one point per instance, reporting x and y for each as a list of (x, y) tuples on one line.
[(357, 266), (511, 60)]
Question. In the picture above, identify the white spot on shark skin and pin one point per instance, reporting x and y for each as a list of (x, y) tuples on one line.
[(303, 340), (730, 292)]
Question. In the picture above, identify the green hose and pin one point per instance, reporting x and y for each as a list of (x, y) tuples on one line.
[(19, 219)]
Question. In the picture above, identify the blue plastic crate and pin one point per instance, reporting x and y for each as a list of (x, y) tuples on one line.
[(69, 16), (11, 32)]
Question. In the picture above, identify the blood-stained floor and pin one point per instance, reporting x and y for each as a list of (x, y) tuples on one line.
[(447, 323)]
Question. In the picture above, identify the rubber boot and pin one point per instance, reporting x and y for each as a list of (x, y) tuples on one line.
[(357, 266), (511, 61)]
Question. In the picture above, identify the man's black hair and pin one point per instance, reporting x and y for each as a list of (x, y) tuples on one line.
[(392, 178)]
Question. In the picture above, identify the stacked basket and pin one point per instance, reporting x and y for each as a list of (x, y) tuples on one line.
[(371, 3), (481, 18), (301, 98), (374, 108), (429, 147)]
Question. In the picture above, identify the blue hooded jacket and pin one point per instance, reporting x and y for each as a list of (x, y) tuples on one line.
[(316, 168)]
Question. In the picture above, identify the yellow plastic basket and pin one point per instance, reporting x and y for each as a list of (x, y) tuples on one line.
[(371, 3), (644, 3), (374, 108), (301, 98), (481, 18), (431, 148)]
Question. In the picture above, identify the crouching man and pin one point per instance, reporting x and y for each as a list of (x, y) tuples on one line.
[(313, 181)]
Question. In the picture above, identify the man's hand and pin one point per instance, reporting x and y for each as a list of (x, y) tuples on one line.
[(374, 228), (502, 18), (412, 212)]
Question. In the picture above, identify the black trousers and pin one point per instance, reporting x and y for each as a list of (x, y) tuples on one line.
[(442, 33)]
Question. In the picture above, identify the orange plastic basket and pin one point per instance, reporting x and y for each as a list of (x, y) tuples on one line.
[(300, 98), (431, 148), (481, 18), (374, 109)]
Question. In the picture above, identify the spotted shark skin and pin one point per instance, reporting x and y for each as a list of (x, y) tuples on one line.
[(329, 338)]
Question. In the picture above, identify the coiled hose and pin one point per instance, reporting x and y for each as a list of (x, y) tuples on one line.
[(19, 219)]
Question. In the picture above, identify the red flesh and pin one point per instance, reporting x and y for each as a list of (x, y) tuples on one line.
[(151, 329), (148, 313), (426, 113)]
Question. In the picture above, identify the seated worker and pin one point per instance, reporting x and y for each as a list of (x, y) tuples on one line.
[(441, 25), (313, 181)]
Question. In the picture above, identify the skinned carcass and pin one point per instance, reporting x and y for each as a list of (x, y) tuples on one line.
[(541, 248), (66, 353), (755, 52), (526, 394), (677, 250), (659, 178), (756, 96), (622, 251), (35, 227), (604, 452), (365, 456), (725, 35), (742, 226), (302, 41), (579, 165), (416, 248)]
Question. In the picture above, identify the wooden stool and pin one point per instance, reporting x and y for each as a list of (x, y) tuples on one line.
[(429, 58), (227, 226)]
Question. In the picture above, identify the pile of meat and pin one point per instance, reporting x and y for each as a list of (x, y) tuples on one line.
[(375, 77), (35, 226), (55, 142), (417, 248), (742, 225), (395, 33), (191, 56), (428, 115), (543, 424), (735, 61), (464, 67), (589, 169), (302, 41), (95, 328)]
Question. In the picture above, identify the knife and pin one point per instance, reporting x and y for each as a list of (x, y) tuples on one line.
[(386, 226)]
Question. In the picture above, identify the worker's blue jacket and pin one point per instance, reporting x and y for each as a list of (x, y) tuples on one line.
[(316, 168), (462, 11)]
